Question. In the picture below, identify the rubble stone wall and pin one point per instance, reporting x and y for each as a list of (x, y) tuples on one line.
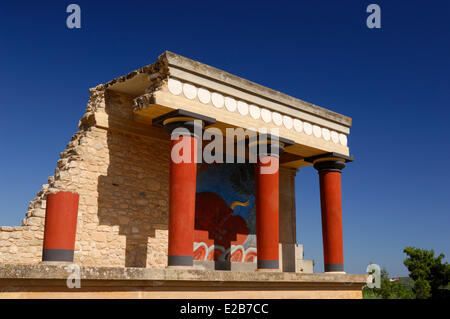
[(123, 182)]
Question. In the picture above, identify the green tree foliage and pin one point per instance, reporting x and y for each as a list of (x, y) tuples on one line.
[(429, 273), (388, 290), (370, 294), (422, 289)]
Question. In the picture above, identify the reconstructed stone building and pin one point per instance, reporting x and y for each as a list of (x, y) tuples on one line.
[(119, 199)]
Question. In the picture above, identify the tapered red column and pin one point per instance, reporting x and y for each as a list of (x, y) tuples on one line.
[(60, 227), (182, 201), (267, 214), (331, 206), (185, 129), (268, 149)]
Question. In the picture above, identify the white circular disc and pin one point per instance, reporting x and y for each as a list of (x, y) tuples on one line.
[(175, 86), (326, 134), (189, 91), (307, 127), (334, 137), (230, 104), (317, 131), (343, 139), (277, 119), (266, 115), (287, 121), (217, 100), (298, 125), (242, 107), (204, 96), (255, 111)]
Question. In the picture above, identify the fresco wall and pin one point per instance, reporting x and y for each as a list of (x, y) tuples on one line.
[(225, 221)]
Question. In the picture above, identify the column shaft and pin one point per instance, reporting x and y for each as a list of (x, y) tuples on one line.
[(330, 200), (267, 206), (182, 203), (60, 227)]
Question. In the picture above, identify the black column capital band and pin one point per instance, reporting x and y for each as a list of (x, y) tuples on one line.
[(181, 119), (331, 156), (329, 162), (184, 127), (329, 166), (268, 145)]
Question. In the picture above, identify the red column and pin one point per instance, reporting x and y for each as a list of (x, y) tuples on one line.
[(331, 206), (185, 129), (182, 202), (60, 226), (267, 206)]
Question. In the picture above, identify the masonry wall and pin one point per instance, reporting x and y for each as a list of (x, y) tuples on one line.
[(123, 182)]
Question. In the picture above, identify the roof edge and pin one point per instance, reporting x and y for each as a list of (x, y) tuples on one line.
[(178, 61)]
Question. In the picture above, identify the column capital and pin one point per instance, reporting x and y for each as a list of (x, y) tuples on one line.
[(289, 170), (268, 144), (192, 123), (329, 162)]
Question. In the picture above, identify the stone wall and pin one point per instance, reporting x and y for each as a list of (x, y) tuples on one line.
[(49, 281), (122, 179)]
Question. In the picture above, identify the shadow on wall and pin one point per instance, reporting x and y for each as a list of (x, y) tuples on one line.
[(134, 193)]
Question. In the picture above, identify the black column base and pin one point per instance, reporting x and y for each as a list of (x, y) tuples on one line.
[(268, 264), (334, 267), (65, 255), (177, 260)]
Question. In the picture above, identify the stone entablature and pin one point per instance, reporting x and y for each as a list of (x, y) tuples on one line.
[(177, 82), (239, 113)]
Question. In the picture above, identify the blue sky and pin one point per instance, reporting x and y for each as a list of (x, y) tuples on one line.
[(392, 81)]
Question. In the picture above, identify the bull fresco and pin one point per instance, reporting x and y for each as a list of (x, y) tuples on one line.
[(225, 213)]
